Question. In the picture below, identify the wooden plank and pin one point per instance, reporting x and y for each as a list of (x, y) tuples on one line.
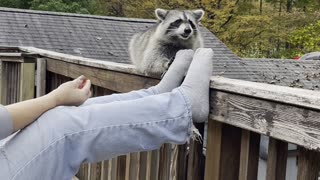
[(114, 168), (95, 171), (120, 67), (181, 168), (145, 165), (127, 166), (282, 121), (213, 153), (165, 161), (294, 96), (41, 77), (121, 166), (308, 164), (116, 81), (134, 166), (4, 83), (27, 81), (249, 155), (230, 152), (277, 160), (155, 160)]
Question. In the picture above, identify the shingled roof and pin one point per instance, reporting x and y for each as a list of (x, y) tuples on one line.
[(106, 38)]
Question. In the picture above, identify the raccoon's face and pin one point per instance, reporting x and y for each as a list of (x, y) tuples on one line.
[(179, 24)]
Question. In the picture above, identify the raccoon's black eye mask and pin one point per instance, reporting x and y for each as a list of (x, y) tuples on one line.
[(176, 23)]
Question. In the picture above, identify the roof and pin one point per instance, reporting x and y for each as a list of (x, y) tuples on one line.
[(106, 38)]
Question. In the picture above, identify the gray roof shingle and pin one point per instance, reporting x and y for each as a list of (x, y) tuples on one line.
[(106, 38)]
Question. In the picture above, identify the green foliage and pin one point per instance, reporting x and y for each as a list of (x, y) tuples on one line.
[(306, 39), (22, 4), (60, 6)]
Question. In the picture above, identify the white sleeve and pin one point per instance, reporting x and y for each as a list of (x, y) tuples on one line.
[(6, 124)]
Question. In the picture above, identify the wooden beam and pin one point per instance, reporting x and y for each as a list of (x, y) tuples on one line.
[(282, 121), (116, 81)]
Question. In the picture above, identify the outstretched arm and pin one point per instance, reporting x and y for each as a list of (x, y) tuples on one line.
[(70, 93)]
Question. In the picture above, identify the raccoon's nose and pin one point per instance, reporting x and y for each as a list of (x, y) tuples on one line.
[(187, 31)]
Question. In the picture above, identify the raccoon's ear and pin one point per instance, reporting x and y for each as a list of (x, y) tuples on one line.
[(198, 14), (161, 14)]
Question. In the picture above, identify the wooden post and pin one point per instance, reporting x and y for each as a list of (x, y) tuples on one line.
[(41, 77), (27, 81), (308, 164), (277, 160)]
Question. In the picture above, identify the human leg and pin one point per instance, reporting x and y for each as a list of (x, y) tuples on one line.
[(60, 140), (170, 80)]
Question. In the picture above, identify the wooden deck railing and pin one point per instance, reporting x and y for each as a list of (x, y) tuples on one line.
[(240, 112)]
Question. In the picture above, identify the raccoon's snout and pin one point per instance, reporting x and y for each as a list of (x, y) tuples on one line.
[(187, 31)]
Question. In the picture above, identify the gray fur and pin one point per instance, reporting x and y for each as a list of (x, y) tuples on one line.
[(152, 50)]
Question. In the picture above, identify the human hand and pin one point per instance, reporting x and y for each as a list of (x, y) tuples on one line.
[(72, 93)]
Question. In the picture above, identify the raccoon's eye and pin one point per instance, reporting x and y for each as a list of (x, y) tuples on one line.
[(176, 23), (192, 24)]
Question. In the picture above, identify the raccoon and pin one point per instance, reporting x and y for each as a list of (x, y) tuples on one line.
[(153, 50)]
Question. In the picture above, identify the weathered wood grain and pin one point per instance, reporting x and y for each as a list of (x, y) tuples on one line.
[(155, 160), (294, 96), (116, 81), (289, 123), (277, 160)]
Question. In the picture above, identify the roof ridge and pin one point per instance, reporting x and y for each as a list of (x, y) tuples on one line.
[(5, 9)]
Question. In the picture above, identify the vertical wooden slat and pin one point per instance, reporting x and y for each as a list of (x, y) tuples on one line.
[(277, 160), (121, 166), (308, 164), (212, 169), (155, 158), (134, 166), (114, 169), (165, 159), (181, 168), (27, 81), (145, 163), (249, 155), (95, 171), (127, 166), (4, 82), (41, 77), (230, 152)]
